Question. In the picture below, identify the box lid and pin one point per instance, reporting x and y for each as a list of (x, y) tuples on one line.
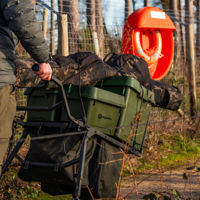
[(94, 93), (127, 81)]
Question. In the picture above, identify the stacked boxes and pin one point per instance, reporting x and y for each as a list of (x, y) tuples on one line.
[(117, 106)]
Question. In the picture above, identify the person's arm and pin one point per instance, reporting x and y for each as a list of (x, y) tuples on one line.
[(20, 18)]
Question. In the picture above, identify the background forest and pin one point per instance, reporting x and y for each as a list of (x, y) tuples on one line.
[(94, 25), (97, 25)]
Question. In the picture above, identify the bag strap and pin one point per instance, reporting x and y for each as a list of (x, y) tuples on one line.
[(108, 56)]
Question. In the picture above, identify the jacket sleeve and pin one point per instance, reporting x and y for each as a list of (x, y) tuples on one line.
[(20, 18)]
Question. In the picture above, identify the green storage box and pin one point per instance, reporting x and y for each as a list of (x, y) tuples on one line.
[(101, 108), (133, 121), (40, 97), (117, 106)]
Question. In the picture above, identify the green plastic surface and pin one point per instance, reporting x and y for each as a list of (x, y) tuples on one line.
[(39, 97), (102, 108), (117, 106), (133, 121)]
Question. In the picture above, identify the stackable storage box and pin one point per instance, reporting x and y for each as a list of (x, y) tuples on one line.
[(117, 106), (134, 117), (101, 108), (40, 97)]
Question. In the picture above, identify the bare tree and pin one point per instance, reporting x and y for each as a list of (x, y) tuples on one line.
[(174, 7), (133, 2), (70, 7), (52, 32), (100, 27), (60, 6), (127, 8), (165, 4), (182, 30), (91, 21), (190, 58), (146, 2), (198, 25), (34, 3), (44, 24)]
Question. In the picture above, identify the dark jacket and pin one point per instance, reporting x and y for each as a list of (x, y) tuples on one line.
[(18, 23)]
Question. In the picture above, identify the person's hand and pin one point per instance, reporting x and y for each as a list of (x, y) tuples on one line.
[(45, 71)]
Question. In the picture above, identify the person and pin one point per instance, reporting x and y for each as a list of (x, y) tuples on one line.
[(17, 23)]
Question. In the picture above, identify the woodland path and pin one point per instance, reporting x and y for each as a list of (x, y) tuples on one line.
[(186, 180)]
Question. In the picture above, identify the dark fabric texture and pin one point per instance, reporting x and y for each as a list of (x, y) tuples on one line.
[(86, 68), (130, 65), (166, 96), (18, 22), (103, 161), (104, 168)]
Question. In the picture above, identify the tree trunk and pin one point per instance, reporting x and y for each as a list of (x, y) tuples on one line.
[(91, 21), (70, 7), (100, 27), (190, 58), (177, 51), (52, 32), (60, 6), (165, 4), (198, 27), (63, 46), (146, 3), (45, 23), (127, 8), (133, 2), (182, 30), (34, 3)]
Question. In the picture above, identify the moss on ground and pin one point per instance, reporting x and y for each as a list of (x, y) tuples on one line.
[(171, 151)]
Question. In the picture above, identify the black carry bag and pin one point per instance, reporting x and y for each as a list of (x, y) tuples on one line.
[(101, 171)]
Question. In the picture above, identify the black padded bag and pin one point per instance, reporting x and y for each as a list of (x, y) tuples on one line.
[(101, 171)]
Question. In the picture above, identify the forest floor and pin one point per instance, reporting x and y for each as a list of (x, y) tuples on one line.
[(179, 183), (170, 167)]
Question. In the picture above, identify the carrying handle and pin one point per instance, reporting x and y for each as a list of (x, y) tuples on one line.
[(35, 68)]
